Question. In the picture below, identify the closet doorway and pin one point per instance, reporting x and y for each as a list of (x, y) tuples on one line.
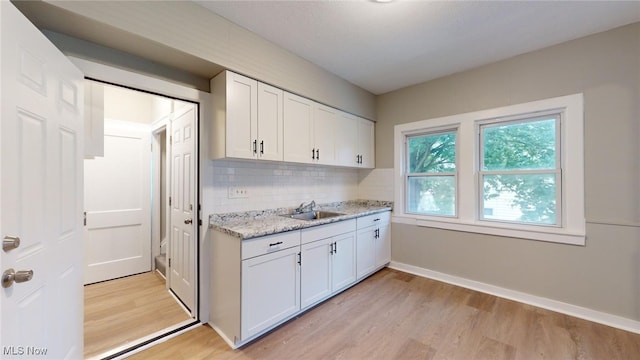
[(140, 237)]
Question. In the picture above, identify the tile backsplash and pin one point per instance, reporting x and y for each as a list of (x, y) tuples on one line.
[(376, 184), (271, 185)]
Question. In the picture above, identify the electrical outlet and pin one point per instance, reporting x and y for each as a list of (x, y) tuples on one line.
[(238, 192)]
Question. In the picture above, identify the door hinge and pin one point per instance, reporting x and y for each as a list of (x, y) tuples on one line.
[(199, 222), (169, 200), (85, 218)]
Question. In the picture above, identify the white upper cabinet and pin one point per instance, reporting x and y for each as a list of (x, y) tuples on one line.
[(324, 132), (270, 138), (354, 141), (248, 119), (366, 137), (298, 128), (347, 140), (254, 120)]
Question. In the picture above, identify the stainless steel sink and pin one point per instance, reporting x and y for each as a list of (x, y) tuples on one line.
[(314, 215)]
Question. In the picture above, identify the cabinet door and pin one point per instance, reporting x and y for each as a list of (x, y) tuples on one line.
[(315, 272), (270, 290), (242, 120), (298, 116), (346, 140), (383, 245), (324, 132), (270, 123), (366, 137), (343, 261), (365, 252)]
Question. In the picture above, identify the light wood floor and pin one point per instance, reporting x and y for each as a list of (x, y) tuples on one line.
[(120, 311), (394, 315)]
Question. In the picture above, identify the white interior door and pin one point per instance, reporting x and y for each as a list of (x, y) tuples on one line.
[(40, 194), (117, 201), (182, 247)]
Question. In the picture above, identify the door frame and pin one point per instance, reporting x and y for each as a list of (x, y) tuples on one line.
[(156, 189), (108, 74)]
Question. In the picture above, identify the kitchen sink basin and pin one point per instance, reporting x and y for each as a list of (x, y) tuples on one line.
[(314, 215)]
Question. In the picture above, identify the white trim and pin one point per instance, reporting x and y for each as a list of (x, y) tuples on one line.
[(573, 229), (224, 337), (203, 99), (495, 228), (538, 301)]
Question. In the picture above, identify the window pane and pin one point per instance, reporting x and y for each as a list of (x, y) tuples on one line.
[(433, 153), (432, 195), (520, 146), (529, 198)]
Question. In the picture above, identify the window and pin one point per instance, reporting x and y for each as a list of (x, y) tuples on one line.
[(520, 170), (515, 171), (431, 178)]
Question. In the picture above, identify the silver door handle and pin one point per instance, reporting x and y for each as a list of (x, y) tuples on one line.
[(10, 276), (188, 221), (10, 243)]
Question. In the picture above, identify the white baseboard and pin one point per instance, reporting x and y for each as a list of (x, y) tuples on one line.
[(549, 304)]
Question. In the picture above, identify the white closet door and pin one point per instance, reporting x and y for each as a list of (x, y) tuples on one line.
[(118, 204)]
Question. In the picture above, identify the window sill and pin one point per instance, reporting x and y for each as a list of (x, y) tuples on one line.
[(555, 235)]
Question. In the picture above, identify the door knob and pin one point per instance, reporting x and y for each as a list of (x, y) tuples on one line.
[(188, 221), (10, 276), (10, 243)]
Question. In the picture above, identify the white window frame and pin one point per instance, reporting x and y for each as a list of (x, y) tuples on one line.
[(571, 227), (453, 174), (557, 171)]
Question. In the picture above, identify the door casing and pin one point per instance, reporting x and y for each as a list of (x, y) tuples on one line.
[(204, 196)]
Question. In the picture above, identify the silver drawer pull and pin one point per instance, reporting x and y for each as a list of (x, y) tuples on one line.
[(378, 219), (276, 243)]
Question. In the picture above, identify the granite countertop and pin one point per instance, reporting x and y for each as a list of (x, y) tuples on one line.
[(251, 224)]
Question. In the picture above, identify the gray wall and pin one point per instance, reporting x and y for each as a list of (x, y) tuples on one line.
[(192, 30), (604, 275)]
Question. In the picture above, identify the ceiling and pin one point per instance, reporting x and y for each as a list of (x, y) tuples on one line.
[(382, 47)]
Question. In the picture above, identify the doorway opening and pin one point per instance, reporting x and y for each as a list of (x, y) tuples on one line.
[(141, 221)]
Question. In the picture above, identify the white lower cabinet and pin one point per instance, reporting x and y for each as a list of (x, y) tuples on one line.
[(316, 272), (373, 248), (383, 245), (328, 264), (366, 253), (343, 259), (259, 283), (270, 290)]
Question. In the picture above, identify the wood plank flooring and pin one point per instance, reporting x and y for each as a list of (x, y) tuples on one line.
[(394, 315), (120, 311)]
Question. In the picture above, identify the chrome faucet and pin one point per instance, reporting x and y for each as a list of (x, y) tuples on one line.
[(305, 208)]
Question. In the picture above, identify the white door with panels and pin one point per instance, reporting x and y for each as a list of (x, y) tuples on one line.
[(41, 132), (118, 204), (183, 243)]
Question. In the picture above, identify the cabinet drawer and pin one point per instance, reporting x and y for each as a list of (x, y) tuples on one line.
[(327, 231), (380, 218), (268, 244)]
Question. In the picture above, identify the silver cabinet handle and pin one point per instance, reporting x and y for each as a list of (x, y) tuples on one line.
[(10, 243), (10, 276), (188, 221)]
